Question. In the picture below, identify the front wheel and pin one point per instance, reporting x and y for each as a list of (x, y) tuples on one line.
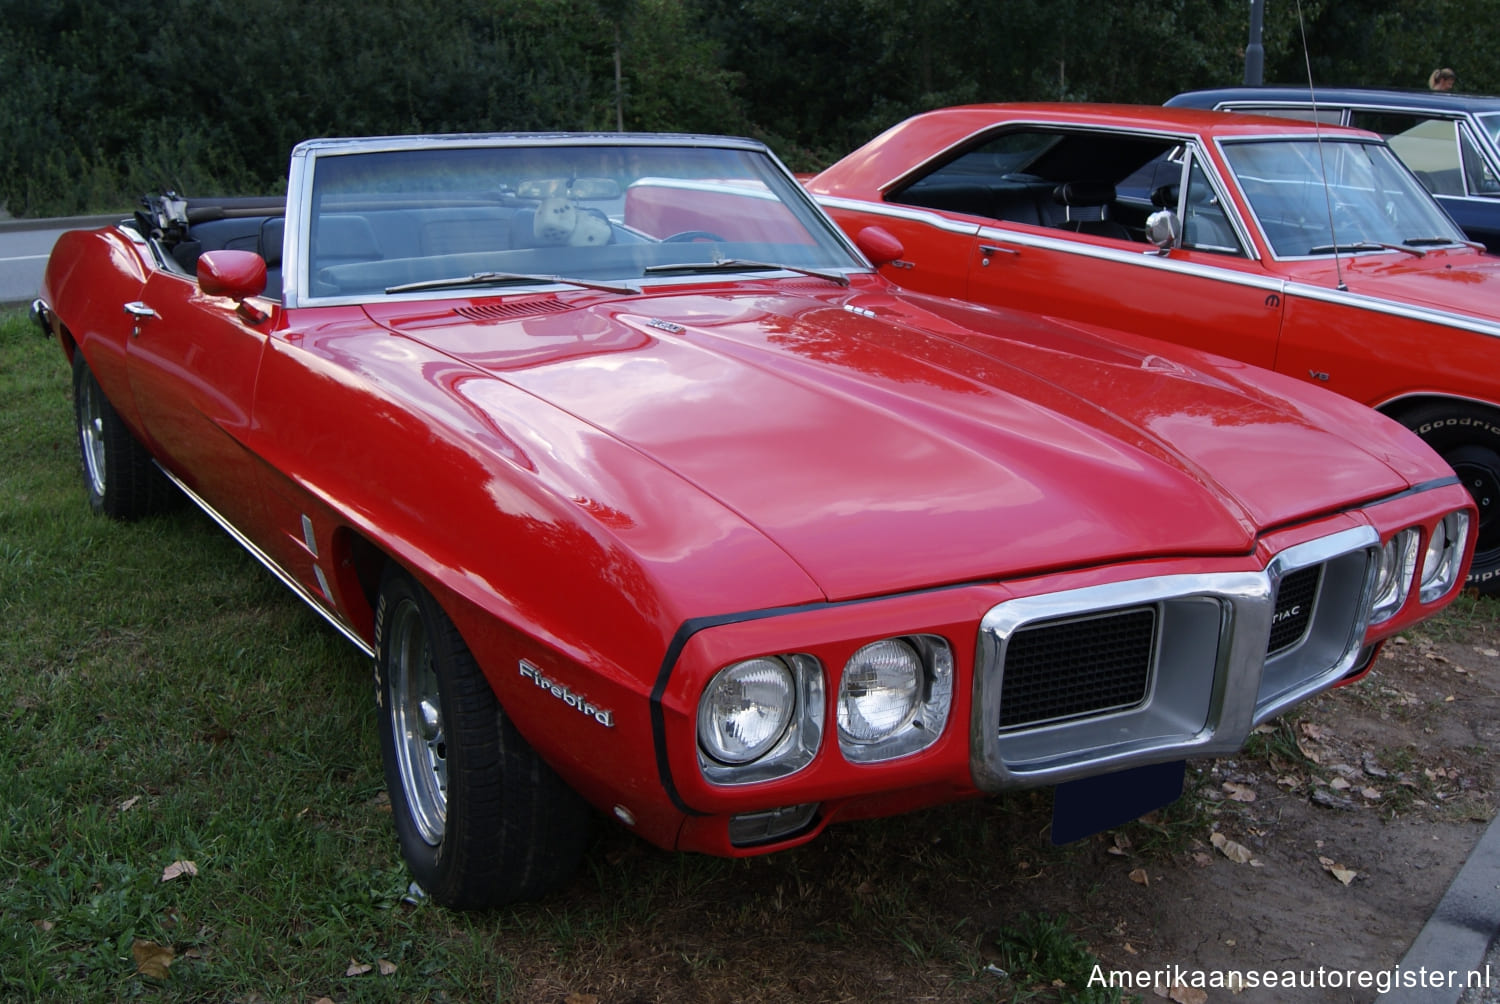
[(481, 819), (1468, 438)]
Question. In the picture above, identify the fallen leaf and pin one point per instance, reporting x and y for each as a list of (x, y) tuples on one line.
[(1492, 653), (177, 869), (386, 967), (1312, 731), (1371, 793), (582, 999), (1130, 949), (1236, 852), (1188, 995), (43, 925), (1339, 784), (1448, 700), (1338, 871), (152, 959), (128, 804), (1309, 752), (1239, 792), (357, 968), (1139, 877)]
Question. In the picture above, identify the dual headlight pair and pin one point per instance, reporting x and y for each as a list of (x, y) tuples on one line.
[(1398, 565), (763, 718)]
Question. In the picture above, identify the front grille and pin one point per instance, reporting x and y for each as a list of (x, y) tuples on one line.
[(1293, 608), (1085, 666)]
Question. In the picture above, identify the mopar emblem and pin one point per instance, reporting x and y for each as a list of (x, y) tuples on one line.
[(568, 697)]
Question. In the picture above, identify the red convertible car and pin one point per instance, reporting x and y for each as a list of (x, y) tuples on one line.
[(644, 491), (1309, 250)]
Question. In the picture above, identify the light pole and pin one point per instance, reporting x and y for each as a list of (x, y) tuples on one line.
[(1255, 53)]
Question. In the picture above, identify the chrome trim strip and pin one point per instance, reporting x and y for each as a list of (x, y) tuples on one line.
[(271, 566), (1430, 315)]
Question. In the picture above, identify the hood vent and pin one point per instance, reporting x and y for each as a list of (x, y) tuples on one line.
[(511, 309)]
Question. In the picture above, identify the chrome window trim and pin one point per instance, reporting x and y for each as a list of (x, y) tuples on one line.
[(1192, 709), (303, 162)]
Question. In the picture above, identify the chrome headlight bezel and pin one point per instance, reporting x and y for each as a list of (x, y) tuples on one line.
[(1444, 556), (789, 747), (929, 659), (1395, 568)]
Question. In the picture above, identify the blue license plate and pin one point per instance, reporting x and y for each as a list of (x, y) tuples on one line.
[(1090, 804)]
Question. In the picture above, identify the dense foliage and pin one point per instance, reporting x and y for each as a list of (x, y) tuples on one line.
[(103, 99)]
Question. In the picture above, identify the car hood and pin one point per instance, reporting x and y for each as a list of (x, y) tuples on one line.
[(888, 442), (1455, 282)]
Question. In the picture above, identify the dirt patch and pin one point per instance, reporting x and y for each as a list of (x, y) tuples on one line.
[(1324, 845)]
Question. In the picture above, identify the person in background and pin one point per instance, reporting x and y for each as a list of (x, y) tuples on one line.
[(1442, 80)]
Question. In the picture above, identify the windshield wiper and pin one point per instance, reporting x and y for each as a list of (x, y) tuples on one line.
[(742, 265), (1428, 242), (509, 279), (1356, 246)]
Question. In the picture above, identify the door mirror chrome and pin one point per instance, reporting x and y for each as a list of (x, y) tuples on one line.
[(1164, 229)]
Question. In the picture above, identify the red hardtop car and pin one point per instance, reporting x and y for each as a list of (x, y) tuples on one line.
[(642, 490), (1306, 249)]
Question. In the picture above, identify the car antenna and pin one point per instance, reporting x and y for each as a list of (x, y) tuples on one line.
[(1338, 269)]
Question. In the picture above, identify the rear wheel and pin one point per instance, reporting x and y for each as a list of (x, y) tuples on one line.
[(118, 473), (1468, 438), (480, 818)]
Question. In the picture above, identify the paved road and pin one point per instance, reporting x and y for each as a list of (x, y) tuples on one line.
[(24, 246)]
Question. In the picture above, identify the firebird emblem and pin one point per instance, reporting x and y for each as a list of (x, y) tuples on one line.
[(567, 696)]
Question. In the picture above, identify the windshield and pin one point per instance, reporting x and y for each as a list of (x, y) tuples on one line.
[(1314, 198), (588, 214), (1491, 124)]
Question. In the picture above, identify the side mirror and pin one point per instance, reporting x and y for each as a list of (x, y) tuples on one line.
[(879, 245), (237, 275), (1164, 229)]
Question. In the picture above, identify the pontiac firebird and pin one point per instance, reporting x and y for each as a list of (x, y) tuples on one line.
[(644, 491)]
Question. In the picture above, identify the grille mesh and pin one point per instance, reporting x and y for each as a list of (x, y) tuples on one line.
[(1066, 669), (1294, 606)]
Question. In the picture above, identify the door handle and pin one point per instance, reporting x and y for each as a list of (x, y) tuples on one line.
[(140, 313), (989, 250)]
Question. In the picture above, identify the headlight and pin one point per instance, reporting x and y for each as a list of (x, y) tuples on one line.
[(761, 719), (1445, 553), (879, 691), (1393, 575), (893, 697), (745, 710)]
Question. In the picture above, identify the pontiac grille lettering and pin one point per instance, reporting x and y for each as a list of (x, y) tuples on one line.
[(562, 693), (1287, 614)]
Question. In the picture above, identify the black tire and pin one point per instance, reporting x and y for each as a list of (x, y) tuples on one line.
[(118, 473), (1468, 438), (482, 821)]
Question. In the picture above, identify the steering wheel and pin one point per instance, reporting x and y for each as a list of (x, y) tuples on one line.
[(689, 236)]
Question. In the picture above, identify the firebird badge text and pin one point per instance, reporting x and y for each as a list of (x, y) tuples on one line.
[(562, 693)]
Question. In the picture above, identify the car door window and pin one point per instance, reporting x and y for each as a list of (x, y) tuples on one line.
[(1429, 146), (1061, 178), (1479, 174)]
